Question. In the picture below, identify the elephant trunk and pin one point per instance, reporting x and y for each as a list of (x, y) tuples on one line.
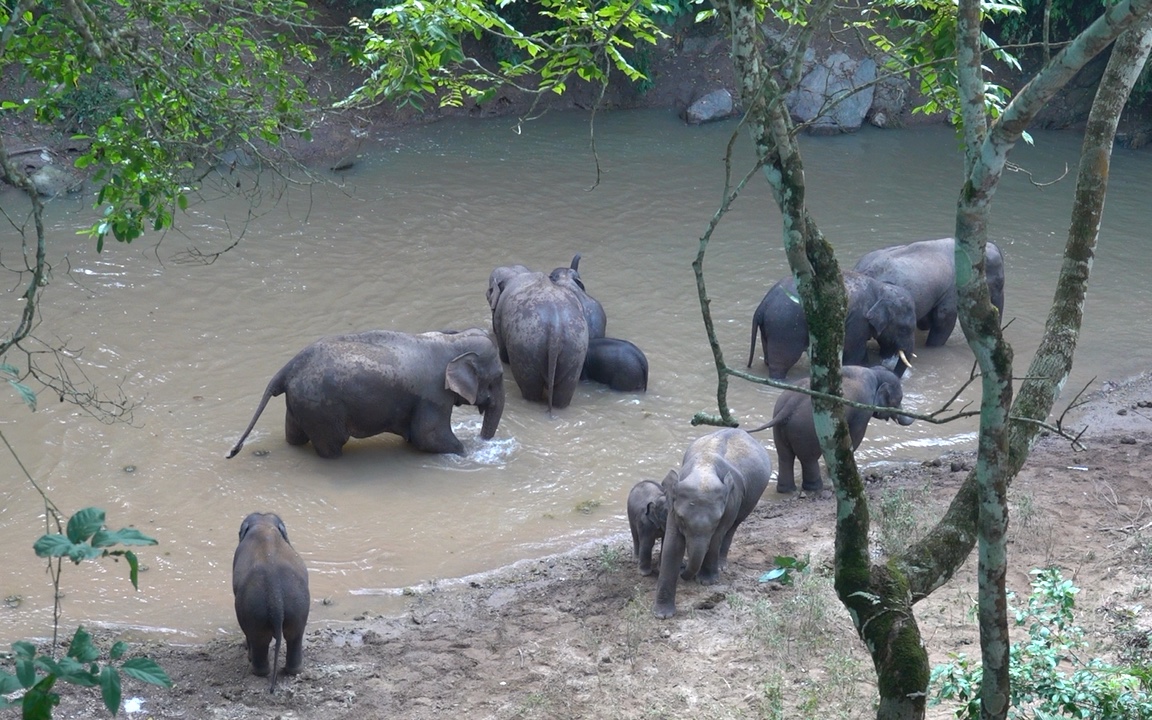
[(697, 548), (492, 410)]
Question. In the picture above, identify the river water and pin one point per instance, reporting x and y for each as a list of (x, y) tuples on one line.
[(406, 241)]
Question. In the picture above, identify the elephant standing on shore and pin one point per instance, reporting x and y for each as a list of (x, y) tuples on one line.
[(541, 330), (927, 270), (380, 381), (794, 430), (719, 482), (647, 518), (875, 310), (270, 585)]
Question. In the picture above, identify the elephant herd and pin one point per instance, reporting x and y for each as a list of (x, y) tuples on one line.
[(551, 334)]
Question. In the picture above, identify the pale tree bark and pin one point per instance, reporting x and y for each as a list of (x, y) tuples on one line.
[(880, 598)]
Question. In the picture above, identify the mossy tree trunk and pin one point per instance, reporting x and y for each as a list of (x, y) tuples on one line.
[(880, 598)]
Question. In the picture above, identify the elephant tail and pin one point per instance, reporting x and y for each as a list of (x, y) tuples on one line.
[(277, 635), (275, 388), (757, 317), (553, 363), (771, 423)]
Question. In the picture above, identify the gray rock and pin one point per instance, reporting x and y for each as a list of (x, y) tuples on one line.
[(716, 105), (52, 180), (834, 97)]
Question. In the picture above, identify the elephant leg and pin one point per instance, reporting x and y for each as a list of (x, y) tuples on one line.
[(258, 652), (941, 323), (645, 552), (727, 543), (293, 433), (810, 474), (432, 432), (785, 467), (780, 360), (329, 439), (294, 659)]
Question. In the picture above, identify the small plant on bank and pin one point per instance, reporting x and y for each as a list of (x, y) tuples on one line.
[(36, 674), (786, 569), (1049, 678)]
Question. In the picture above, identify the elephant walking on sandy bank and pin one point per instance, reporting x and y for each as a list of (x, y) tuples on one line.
[(380, 381), (794, 430), (719, 482), (647, 518), (270, 585)]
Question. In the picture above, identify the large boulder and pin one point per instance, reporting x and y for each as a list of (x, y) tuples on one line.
[(52, 180), (716, 105), (835, 95)]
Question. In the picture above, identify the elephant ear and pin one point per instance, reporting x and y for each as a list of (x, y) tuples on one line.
[(669, 480), (283, 530), (462, 377), (879, 316)]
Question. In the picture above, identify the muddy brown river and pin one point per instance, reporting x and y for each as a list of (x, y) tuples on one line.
[(406, 241)]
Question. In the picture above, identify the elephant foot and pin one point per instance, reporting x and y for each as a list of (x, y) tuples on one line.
[(708, 578), (645, 570), (813, 489), (664, 610), (292, 669), (785, 489), (260, 671)]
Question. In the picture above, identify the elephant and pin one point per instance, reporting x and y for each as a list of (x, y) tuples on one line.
[(617, 363), (647, 516), (270, 584), (875, 310), (719, 482), (794, 431), (364, 384), (542, 333), (927, 270), (593, 311)]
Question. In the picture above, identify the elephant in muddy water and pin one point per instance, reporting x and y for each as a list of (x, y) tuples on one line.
[(719, 482), (270, 585), (794, 430), (647, 517), (876, 310), (364, 384), (593, 311), (541, 331), (927, 270), (617, 363)]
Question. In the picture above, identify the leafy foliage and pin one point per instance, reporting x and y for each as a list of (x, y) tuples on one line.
[(159, 86), (786, 568), (1041, 687), (417, 48), (918, 38), (85, 538)]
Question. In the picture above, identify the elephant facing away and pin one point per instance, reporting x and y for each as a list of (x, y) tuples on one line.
[(647, 517), (542, 331), (927, 270), (794, 430), (364, 384), (719, 482), (270, 585), (876, 310), (594, 313), (617, 363)]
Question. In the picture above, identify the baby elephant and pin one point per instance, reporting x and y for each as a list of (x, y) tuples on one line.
[(647, 513), (617, 363), (794, 430), (270, 583)]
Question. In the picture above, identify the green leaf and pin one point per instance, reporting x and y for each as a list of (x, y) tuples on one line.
[(73, 672), (54, 545), (133, 568), (84, 524), (38, 702), (26, 672), (82, 648), (110, 688), (9, 683), (124, 536), (24, 649), (146, 670), (773, 574), (118, 650)]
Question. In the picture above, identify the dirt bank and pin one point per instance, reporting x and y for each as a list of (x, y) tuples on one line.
[(573, 636)]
